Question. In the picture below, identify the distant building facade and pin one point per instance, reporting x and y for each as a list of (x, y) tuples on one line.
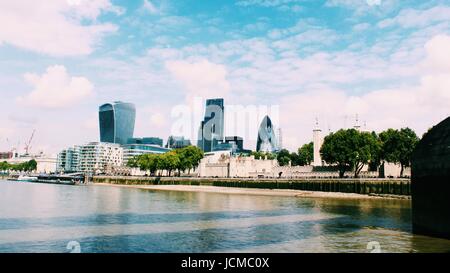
[(177, 142), (117, 122), (234, 144), (6, 155), (45, 163), (68, 160), (146, 140), (266, 141), (132, 150), (211, 130)]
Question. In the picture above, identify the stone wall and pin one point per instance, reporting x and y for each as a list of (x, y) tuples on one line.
[(430, 182), (360, 186)]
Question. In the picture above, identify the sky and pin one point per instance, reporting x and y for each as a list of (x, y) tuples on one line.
[(385, 61)]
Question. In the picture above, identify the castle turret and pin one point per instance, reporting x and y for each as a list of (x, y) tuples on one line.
[(317, 141)]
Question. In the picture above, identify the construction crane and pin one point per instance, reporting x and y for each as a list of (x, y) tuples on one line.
[(28, 144)]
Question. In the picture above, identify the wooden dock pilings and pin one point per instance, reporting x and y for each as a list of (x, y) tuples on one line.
[(360, 186)]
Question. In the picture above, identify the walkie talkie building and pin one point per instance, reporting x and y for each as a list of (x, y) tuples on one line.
[(117, 122)]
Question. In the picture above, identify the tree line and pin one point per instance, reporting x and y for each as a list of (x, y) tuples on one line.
[(350, 149), (180, 160), (28, 166)]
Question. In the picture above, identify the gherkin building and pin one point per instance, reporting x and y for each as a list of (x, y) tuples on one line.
[(266, 141)]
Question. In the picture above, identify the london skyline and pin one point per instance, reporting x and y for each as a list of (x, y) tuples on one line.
[(385, 61)]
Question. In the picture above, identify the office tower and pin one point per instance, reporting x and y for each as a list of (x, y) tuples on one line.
[(211, 129), (266, 141), (117, 122)]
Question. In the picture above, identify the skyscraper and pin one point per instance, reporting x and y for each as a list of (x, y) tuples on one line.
[(211, 129), (266, 137), (116, 122)]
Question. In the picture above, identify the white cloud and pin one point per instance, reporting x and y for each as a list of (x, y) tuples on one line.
[(200, 78), (438, 57), (150, 7), (409, 18), (58, 27), (265, 3), (56, 88), (362, 7), (418, 106), (158, 120)]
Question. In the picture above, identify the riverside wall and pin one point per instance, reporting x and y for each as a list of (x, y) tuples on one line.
[(349, 185)]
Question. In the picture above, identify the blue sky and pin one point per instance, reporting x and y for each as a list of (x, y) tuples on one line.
[(385, 60)]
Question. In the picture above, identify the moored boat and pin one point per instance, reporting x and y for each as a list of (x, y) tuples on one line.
[(25, 178)]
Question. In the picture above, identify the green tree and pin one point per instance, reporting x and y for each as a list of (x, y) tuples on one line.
[(263, 155), (306, 154), (133, 162), (283, 157), (349, 149), (30, 165), (295, 159), (375, 162), (150, 162), (171, 161), (257, 155), (397, 146), (189, 158), (4, 166)]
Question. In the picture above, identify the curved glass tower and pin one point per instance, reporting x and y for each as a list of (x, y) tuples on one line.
[(116, 122), (266, 137)]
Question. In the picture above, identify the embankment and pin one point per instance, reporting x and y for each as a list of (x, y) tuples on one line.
[(399, 187)]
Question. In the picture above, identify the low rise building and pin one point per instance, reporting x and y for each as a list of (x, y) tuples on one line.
[(146, 140), (6, 155), (68, 160), (96, 157), (45, 163), (177, 142), (132, 150)]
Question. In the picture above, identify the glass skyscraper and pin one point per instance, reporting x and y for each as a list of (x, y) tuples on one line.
[(211, 129), (116, 122), (266, 137)]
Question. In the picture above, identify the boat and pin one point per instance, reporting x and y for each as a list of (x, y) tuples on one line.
[(61, 179), (73, 179), (25, 178)]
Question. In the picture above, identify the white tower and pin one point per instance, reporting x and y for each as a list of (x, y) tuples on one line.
[(357, 126), (317, 141)]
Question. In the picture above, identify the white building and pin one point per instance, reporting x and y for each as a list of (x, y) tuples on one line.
[(68, 160), (94, 157), (45, 163)]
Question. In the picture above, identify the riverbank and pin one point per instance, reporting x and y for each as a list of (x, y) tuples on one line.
[(264, 186)]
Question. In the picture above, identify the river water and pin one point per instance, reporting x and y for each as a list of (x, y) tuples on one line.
[(56, 218)]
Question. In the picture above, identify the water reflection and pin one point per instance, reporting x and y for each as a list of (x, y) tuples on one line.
[(43, 218)]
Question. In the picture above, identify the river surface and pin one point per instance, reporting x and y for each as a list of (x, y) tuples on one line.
[(56, 218)]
